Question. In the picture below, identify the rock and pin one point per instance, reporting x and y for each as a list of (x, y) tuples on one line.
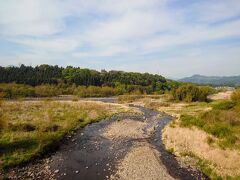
[(86, 167), (76, 172), (56, 171)]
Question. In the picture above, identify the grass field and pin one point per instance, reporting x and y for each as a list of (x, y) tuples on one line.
[(27, 128)]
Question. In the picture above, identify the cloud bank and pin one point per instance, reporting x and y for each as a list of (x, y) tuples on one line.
[(170, 37)]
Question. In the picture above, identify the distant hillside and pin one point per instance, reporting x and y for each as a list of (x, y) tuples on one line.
[(213, 80)]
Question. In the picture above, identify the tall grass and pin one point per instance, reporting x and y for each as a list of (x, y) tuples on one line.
[(2, 119), (236, 95), (94, 91), (221, 123)]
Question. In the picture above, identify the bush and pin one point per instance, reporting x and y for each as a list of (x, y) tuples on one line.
[(13, 90), (188, 121), (222, 116), (191, 93), (94, 91), (47, 91), (2, 123), (224, 105), (236, 95)]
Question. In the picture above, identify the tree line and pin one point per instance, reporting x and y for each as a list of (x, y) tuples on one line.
[(46, 80), (47, 74)]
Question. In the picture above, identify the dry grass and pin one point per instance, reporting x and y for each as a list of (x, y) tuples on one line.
[(176, 109), (28, 127), (194, 141)]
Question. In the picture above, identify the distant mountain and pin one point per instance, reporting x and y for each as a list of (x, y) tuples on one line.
[(213, 80)]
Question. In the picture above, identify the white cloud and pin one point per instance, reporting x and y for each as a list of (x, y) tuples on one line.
[(81, 29), (57, 45), (34, 18)]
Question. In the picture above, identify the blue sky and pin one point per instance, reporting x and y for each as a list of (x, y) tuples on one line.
[(175, 38)]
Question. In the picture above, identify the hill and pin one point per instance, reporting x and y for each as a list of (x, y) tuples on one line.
[(213, 80)]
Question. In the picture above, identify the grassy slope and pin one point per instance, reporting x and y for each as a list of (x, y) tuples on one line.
[(27, 128)]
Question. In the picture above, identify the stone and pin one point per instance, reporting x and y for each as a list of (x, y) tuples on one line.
[(56, 171)]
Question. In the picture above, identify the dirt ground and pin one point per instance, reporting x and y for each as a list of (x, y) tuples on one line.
[(221, 95)]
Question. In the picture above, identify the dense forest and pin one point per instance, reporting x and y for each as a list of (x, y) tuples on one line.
[(47, 81), (46, 74)]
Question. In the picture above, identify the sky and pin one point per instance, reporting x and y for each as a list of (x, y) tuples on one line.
[(174, 38)]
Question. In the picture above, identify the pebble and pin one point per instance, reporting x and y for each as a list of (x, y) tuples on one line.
[(56, 171), (76, 172), (86, 167)]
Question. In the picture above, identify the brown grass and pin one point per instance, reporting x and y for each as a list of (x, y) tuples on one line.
[(195, 141)]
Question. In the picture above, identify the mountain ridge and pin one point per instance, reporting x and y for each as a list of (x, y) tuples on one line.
[(213, 80)]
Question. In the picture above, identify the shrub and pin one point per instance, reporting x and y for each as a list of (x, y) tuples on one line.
[(191, 93), (47, 91), (2, 119), (2, 123), (224, 105), (221, 116), (13, 90), (219, 130), (94, 91), (236, 95), (210, 140), (25, 127), (188, 121)]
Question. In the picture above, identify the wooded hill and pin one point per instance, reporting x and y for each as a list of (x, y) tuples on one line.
[(54, 75), (213, 80)]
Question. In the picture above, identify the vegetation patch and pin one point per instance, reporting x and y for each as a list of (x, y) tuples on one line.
[(224, 105), (27, 128), (192, 93), (219, 124), (215, 162), (236, 96)]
